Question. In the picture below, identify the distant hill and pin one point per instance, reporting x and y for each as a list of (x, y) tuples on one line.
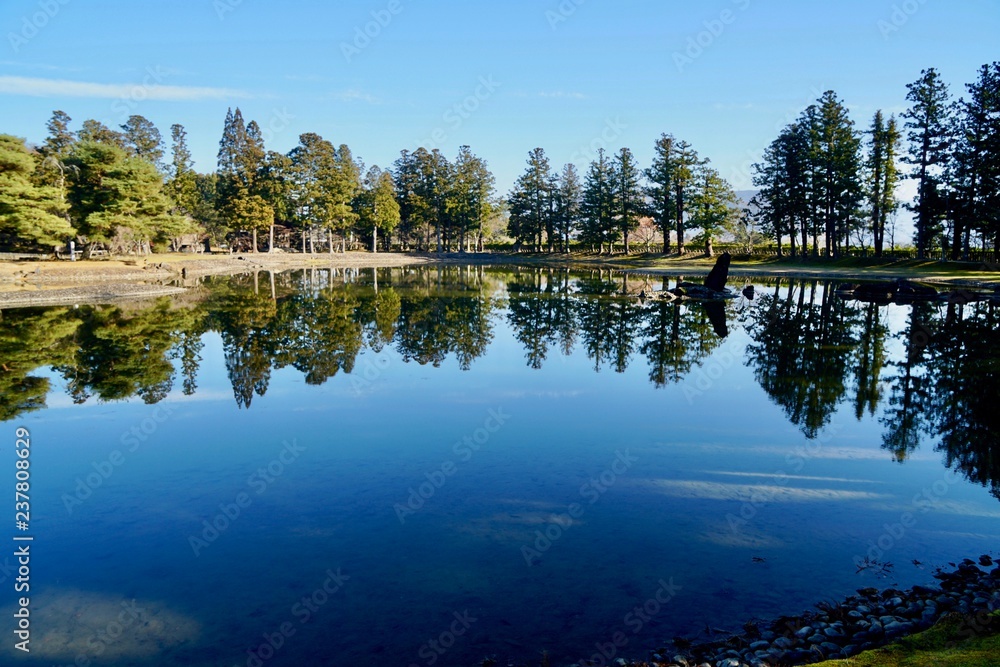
[(745, 196)]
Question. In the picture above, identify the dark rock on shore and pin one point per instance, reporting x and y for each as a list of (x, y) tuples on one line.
[(868, 620)]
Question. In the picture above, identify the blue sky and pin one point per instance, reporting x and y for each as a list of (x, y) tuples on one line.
[(506, 77)]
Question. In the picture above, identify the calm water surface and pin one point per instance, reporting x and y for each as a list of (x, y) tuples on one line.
[(433, 466)]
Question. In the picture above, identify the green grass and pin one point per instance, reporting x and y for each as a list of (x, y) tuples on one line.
[(954, 642)]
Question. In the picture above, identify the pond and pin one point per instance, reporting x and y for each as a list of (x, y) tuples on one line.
[(427, 466)]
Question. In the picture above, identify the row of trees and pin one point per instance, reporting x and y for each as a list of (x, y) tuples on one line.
[(121, 189), (679, 192), (822, 178), (824, 186), (116, 188)]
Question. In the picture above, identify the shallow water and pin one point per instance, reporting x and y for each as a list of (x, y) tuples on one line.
[(432, 466)]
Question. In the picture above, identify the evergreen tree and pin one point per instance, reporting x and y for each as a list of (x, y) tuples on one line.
[(413, 209), (660, 190), (28, 212), (782, 179), (713, 207), (597, 207), (60, 139), (568, 198), (975, 170), (182, 181), (685, 163), (376, 205), (241, 159), (882, 176), (471, 189), (120, 199), (52, 169), (98, 132), (629, 205), (837, 167), (928, 121), (529, 202), (142, 139)]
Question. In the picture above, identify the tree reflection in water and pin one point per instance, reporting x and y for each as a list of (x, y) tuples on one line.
[(931, 368)]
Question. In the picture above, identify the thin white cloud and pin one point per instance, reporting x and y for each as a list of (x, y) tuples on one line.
[(33, 87), (42, 66), (562, 95), (355, 95)]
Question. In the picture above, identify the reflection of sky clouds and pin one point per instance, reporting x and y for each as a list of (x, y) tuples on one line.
[(762, 492), (72, 623), (809, 452), (746, 537), (792, 477), (938, 505)]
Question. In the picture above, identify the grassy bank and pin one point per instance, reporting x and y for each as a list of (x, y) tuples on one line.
[(955, 641)]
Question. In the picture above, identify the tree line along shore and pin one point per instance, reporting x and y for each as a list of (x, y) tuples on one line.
[(825, 188)]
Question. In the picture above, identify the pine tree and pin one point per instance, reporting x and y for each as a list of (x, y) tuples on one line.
[(182, 184), (96, 131), (629, 205), (118, 198), (660, 190), (783, 181), (469, 195), (240, 161), (975, 171), (52, 168), (837, 166), (598, 204), (376, 205), (714, 206), (28, 212), (529, 202), (568, 197), (928, 121), (685, 162), (142, 139), (883, 176)]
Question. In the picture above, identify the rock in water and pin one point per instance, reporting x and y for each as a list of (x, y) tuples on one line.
[(720, 273)]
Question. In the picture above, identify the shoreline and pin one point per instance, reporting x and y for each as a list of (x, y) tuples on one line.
[(28, 282)]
